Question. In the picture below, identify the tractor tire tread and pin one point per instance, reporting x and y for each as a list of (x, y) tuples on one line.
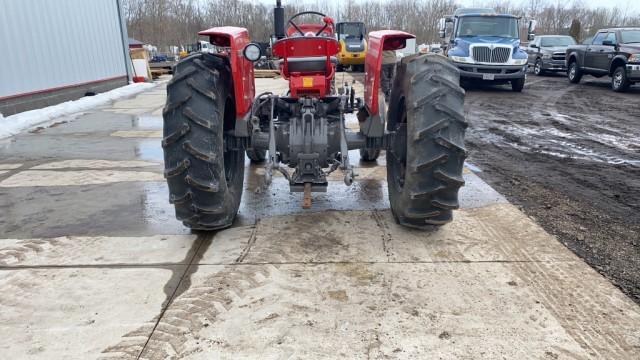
[(435, 149), (193, 144)]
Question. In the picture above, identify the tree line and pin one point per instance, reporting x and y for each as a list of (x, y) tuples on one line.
[(176, 22)]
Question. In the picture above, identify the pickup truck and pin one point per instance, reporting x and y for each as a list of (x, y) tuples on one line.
[(612, 52), (547, 53)]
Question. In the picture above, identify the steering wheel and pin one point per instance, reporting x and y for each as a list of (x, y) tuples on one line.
[(324, 19)]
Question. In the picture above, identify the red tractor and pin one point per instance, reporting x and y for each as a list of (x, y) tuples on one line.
[(212, 118)]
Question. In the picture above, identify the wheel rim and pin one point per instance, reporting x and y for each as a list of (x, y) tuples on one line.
[(617, 79), (230, 161), (398, 152), (572, 72), (537, 68)]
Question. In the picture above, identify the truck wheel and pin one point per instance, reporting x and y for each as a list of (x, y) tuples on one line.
[(574, 73), (517, 85), (369, 154), (204, 168), (537, 68), (425, 153), (619, 80), (256, 156)]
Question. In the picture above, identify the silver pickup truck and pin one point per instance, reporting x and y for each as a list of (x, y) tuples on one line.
[(547, 53)]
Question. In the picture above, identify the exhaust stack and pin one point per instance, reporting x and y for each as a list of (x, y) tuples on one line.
[(278, 20)]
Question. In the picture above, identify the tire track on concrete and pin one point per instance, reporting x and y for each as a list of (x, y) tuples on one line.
[(134, 342), (577, 314), (192, 307), (23, 249), (195, 308), (385, 233)]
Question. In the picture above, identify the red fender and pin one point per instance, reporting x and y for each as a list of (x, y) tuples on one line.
[(235, 39), (378, 42)]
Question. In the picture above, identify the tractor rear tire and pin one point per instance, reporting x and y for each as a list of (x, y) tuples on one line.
[(426, 152), (204, 168)]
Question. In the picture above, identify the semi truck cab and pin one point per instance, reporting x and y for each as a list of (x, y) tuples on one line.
[(485, 46)]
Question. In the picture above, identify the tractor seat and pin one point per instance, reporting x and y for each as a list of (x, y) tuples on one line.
[(308, 64)]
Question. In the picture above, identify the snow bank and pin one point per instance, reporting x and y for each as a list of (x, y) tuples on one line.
[(14, 124)]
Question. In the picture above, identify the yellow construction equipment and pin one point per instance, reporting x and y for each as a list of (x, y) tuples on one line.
[(351, 35)]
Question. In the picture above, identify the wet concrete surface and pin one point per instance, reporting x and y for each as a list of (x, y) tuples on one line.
[(93, 264)]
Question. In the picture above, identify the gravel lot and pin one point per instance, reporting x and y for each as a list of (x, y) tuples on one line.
[(569, 155)]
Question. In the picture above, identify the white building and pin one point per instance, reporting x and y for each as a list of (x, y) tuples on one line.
[(60, 50)]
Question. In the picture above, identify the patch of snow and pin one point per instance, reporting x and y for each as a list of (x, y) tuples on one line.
[(14, 124), (472, 167)]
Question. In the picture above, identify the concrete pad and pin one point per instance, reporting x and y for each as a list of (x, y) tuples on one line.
[(143, 103), (78, 313), (227, 246), (93, 164), (97, 250), (122, 209), (477, 193), (32, 178), (328, 236), (495, 233), (430, 310), (258, 202), (9, 166), (138, 134), (369, 191)]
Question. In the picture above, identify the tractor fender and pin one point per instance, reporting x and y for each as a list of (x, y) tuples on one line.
[(379, 41), (234, 39)]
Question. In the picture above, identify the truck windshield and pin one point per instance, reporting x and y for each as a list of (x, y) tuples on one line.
[(630, 36), (350, 30), (488, 26), (557, 41)]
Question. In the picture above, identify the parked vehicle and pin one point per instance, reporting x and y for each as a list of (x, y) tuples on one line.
[(485, 46), (612, 52), (200, 46), (353, 45), (159, 58), (547, 53)]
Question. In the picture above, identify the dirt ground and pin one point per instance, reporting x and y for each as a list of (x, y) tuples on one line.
[(569, 156)]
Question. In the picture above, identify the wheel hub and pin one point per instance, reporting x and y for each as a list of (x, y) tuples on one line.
[(617, 79)]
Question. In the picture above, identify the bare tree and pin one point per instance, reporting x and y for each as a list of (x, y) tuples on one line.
[(177, 22)]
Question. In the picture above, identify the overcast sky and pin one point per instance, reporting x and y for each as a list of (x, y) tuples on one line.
[(633, 5)]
